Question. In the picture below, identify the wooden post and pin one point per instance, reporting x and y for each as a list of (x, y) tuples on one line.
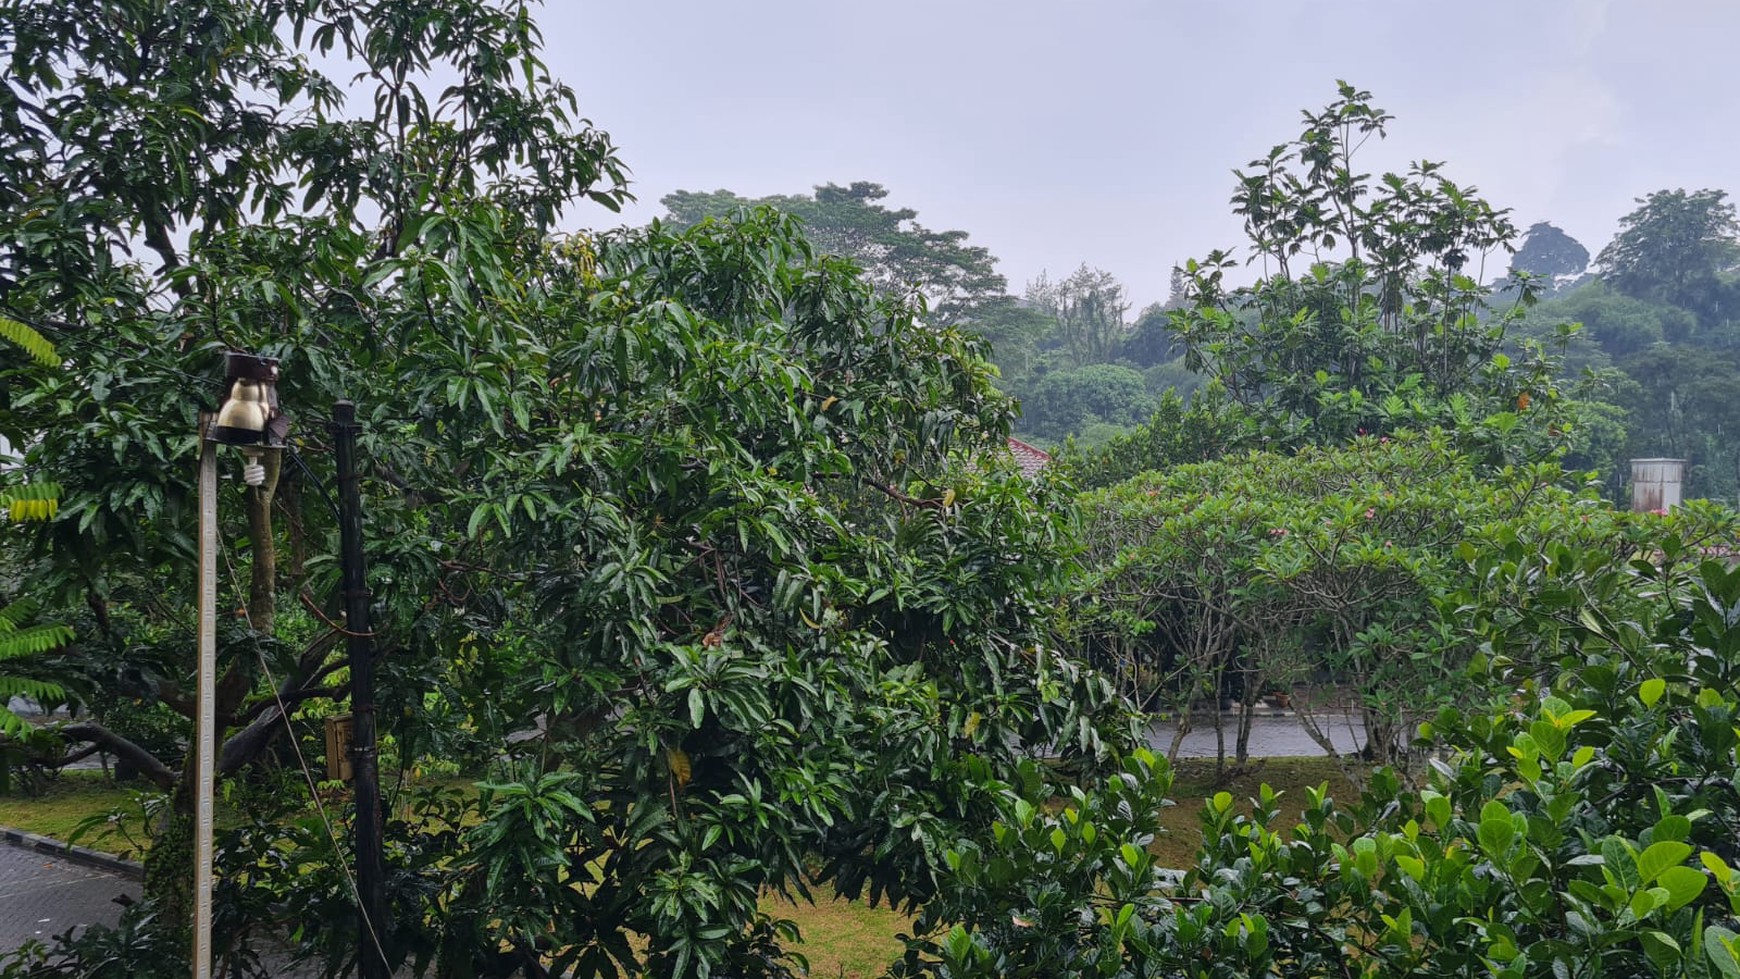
[(205, 749), (359, 640)]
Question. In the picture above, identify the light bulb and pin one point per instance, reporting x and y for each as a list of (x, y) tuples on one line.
[(253, 473)]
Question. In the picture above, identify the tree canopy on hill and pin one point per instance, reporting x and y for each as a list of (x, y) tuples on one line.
[(897, 253)]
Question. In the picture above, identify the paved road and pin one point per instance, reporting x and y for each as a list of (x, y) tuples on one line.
[(42, 896), (1271, 737)]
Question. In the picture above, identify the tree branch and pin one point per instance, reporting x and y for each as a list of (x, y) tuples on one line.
[(903, 498), (160, 774), (245, 745), (253, 712)]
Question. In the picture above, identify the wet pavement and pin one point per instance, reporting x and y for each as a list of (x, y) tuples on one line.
[(1272, 736), (43, 895)]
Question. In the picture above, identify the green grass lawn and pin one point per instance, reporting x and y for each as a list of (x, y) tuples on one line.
[(69, 800), (1194, 782), (841, 938)]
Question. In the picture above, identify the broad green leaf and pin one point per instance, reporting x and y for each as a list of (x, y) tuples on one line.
[(1683, 884), (1651, 690), (1722, 947), (1496, 830), (1660, 856)]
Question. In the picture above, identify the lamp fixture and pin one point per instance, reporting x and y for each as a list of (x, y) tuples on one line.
[(250, 417)]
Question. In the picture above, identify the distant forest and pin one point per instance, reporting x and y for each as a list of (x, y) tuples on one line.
[(1653, 369)]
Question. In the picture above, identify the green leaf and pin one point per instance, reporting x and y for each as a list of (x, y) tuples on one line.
[(1722, 948), (1496, 830), (26, 338), (1659, 857), (1644, 902), (697, 707), (1651, 690), (1617, 857), (1437, 809), (1683, 885)]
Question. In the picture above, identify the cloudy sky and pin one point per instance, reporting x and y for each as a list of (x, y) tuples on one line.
[(1103, 131)]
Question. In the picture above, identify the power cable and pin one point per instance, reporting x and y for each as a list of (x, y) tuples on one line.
[(307, 774)]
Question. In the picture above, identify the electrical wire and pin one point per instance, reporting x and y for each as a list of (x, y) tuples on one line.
[(307, 775), (325, 491)]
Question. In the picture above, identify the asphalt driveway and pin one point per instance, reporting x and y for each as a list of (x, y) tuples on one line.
[(43, 895)]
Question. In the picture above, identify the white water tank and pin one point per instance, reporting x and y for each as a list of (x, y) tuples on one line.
[(1655, 484)]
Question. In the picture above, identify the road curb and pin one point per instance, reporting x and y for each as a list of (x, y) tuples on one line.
[(72, 854)]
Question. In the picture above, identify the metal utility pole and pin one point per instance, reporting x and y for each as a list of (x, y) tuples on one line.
[(359, 642), (205, 746)]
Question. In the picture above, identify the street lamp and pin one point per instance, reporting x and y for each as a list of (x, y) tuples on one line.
[(250, 419)]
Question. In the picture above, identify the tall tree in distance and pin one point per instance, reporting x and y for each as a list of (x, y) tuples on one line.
[(897, 253), (1088, 309), (1548, 251), (1673, 246)]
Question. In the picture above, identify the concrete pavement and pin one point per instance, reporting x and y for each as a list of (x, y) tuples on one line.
[(43, 895), (1271, 736)]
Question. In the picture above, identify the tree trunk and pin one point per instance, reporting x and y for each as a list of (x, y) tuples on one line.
[(1219, 734), (1247, 702), (263, 577), (169, 862), (1178, 735), (1380, 736)]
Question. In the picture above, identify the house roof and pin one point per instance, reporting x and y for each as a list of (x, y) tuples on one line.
[(1030, 459)]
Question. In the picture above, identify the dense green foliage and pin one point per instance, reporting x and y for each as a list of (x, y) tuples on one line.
[(693, 545), (1075, 400), (1263, 571), (1547, 251), (898, 254), (1585, 826), (1659, 335), (697, 550), (1369, 316), (1674, 248)]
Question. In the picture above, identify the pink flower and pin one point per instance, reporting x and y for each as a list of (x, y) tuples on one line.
[(1277, 531), (1370, 513)]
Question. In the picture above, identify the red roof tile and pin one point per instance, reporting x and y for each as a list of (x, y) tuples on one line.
[(1030, 459)]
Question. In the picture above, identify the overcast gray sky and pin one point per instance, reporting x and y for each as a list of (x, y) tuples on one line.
[(1104, 131)]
